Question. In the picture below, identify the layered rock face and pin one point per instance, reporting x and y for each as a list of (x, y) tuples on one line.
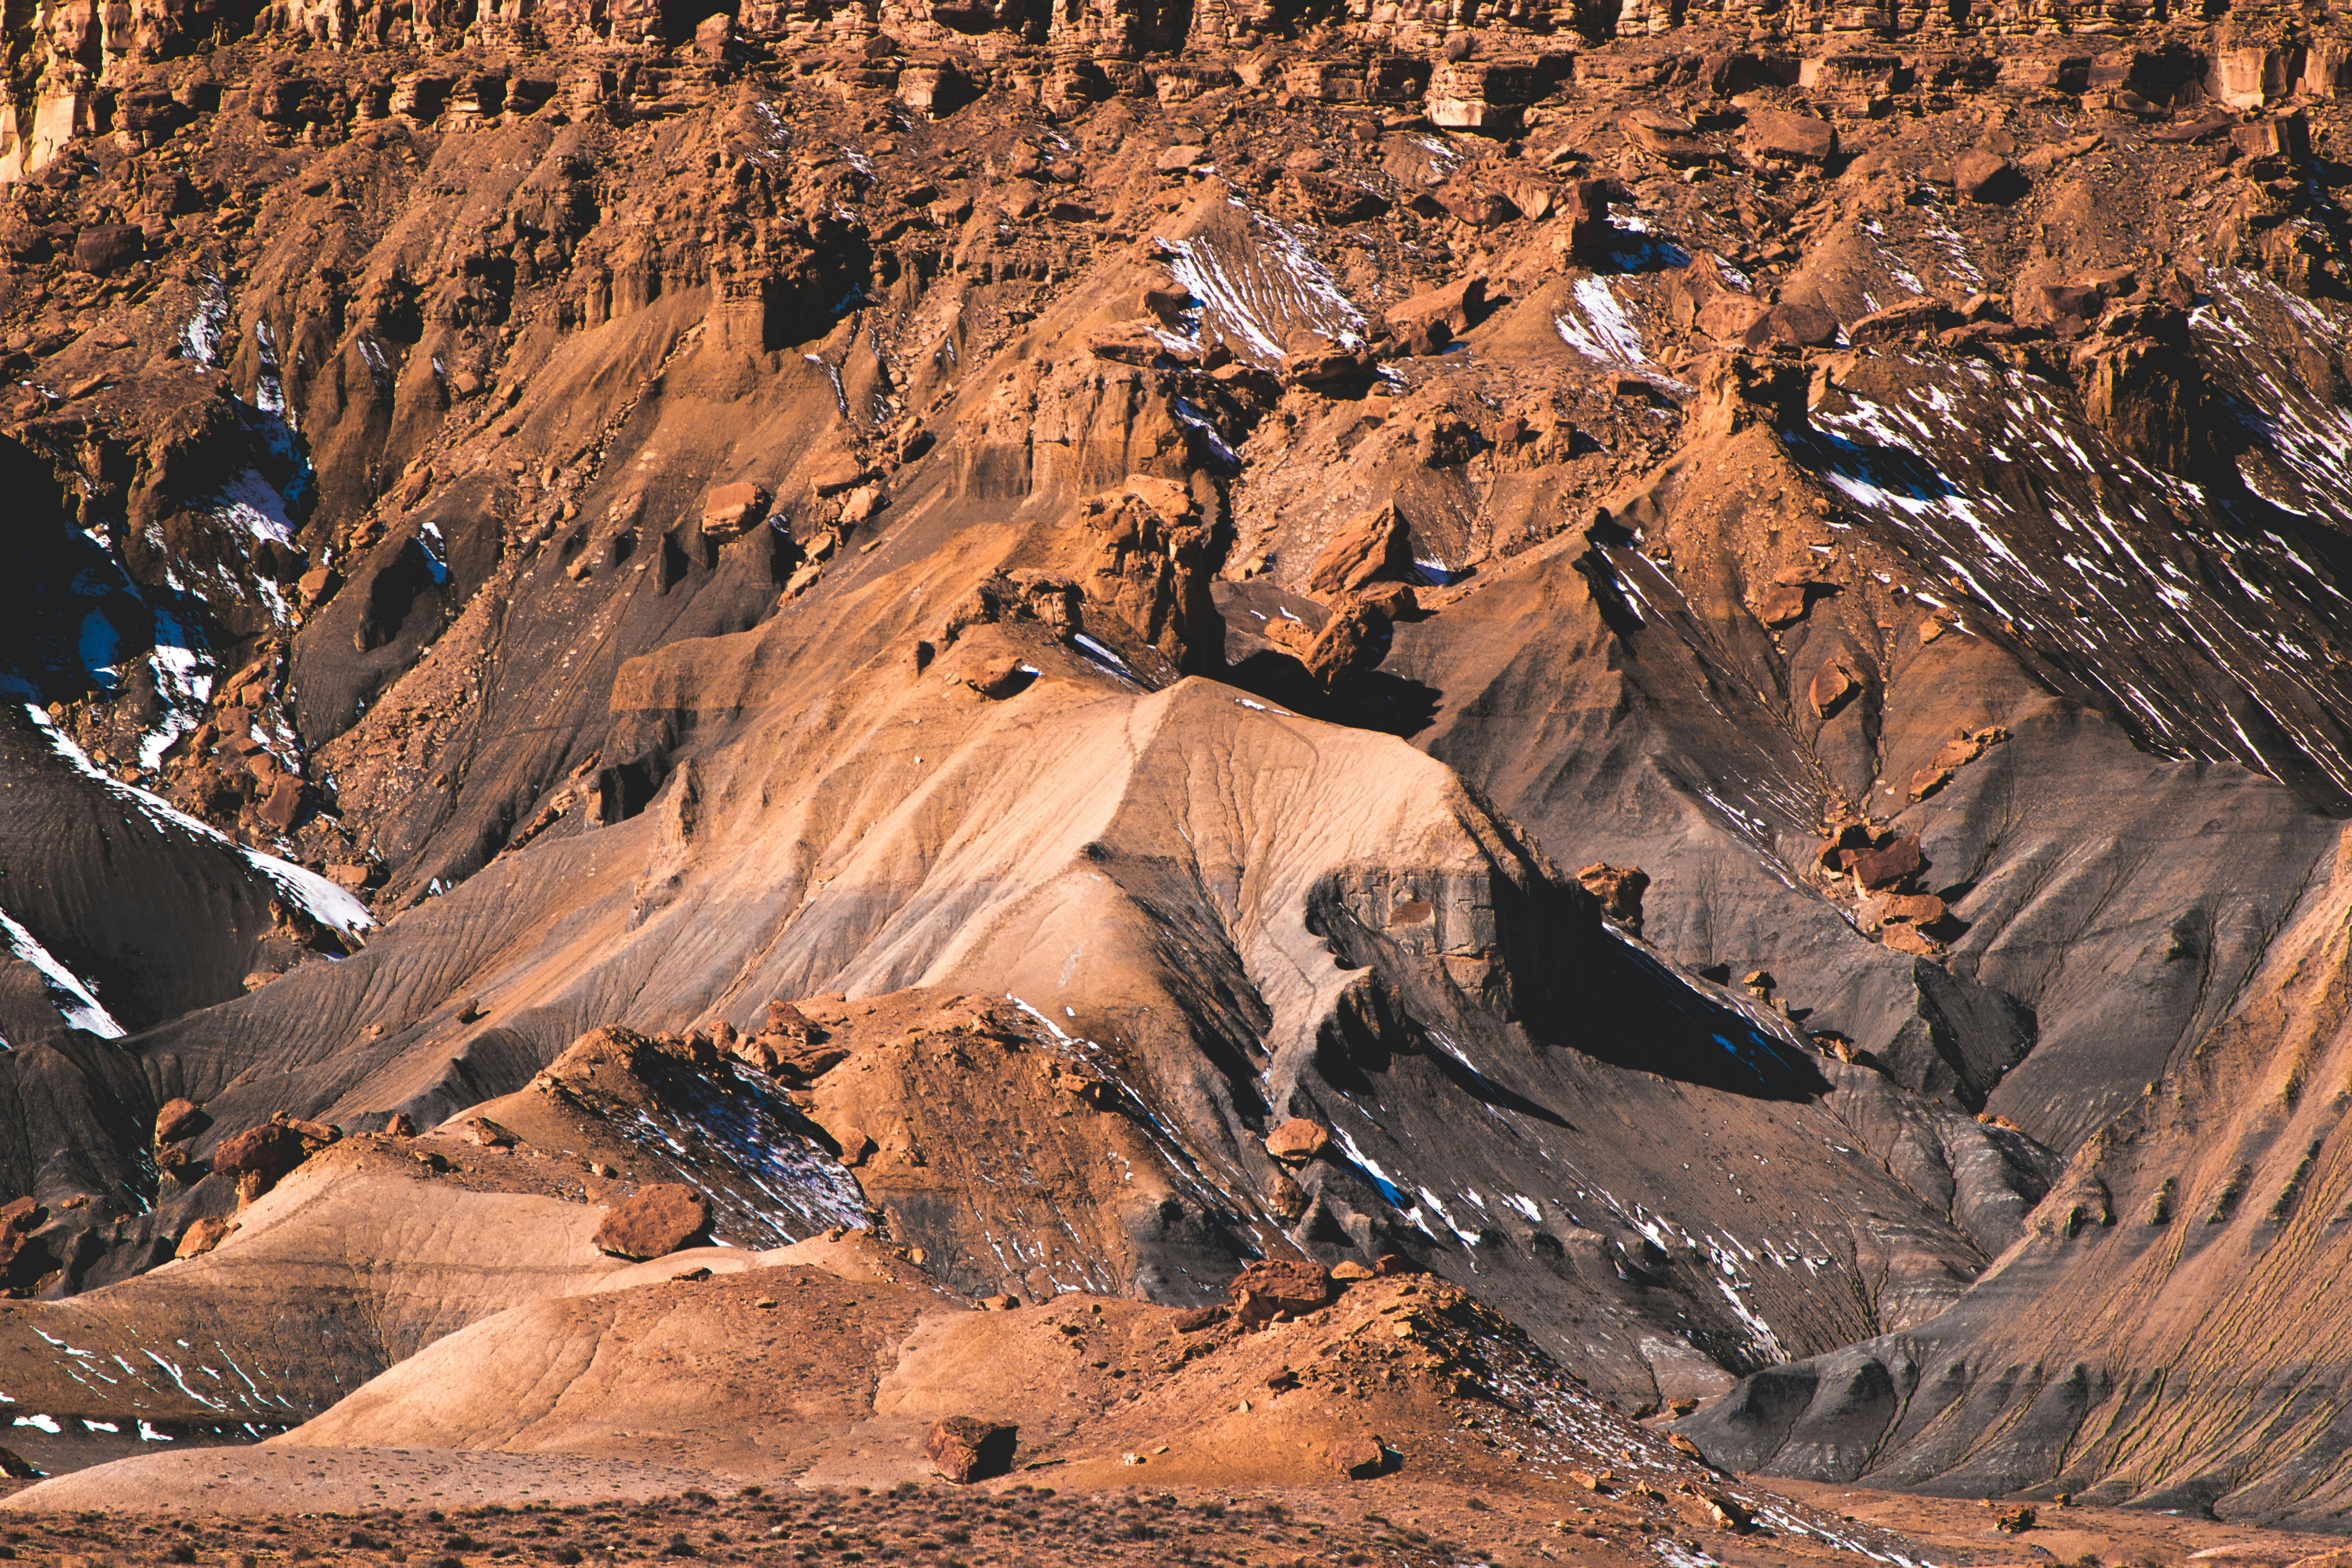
[(1004, 627)]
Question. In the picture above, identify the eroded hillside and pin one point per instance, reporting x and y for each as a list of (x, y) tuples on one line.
[(1683, 671)]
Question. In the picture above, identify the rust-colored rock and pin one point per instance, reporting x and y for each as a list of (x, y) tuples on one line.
[(1376, 544), (1297, 1140), (1429, 321), (657, 1219), (1888, 866), (1794, 138), (1989, 177), (19, 1217), (1832, 687), (267, 1152), (202, 1237), (1620, 890), (997, 679), (966, 1449), (180, 1118), (1354, 639), (1295, 1288)]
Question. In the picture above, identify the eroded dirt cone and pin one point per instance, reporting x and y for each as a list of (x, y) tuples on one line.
[(655, 1220)]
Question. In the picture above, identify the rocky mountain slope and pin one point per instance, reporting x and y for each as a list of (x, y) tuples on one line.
[(1681, 673)]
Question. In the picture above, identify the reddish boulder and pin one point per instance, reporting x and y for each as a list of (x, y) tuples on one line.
[(105, 248), (201, 1237), (732, 509), (1360, 1458), (1356, 638), (1989, 177), (1267, 1288), (1670, 137), (997, 679), (1783, 605), (1794, 138), (1875, 869), (968, 1450), (1297, 1140), (268, 1152), (1475, 206), (180, 1118), (1620, 890), (1376, 544), (19, 1217), (1430, 320), (657, 1219), (1911, 318), (1833, 687)]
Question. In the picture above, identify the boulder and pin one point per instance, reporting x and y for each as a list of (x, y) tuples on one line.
[(1796, 138), (1833, 687), (1332, 370), (1585, 205), (487, 1133), (1727, 316), (852, 1142), (1430, 320), (729, 511), (2285, 137), (1475, 205), (201, 1237), (1874, 869), (1264, 1288), (1792, 324), (1712, 1511), (1989, 177), (1917, 909), (1360, 1458), (1297, 1140), (1910, 318), (790, 1055), (1689, 290), (655, 1220), (268, 1152), (1178, 159), (966, 1449), (180, 1118), (1196, 1319), (1783, 605), (997, 679), (1668, 136), (19, 1217), (1397, 600), (1376, 544), (105, 248), (1355, 639), (1286, 1199), (1618, 888)]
